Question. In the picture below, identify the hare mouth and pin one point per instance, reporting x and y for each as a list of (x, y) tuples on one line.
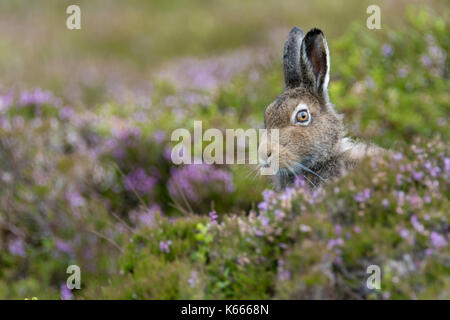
[(294, 170)]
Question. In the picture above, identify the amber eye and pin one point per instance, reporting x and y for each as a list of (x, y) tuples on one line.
[(302, 116)]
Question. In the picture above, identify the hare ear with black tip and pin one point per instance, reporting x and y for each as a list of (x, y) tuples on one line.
[(291, 58), (315, 62)]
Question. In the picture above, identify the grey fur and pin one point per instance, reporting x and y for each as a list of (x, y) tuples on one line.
[(318, 151), (291, 58)]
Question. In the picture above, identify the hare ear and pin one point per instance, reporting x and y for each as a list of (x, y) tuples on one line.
[(291, 58), (315, 61)]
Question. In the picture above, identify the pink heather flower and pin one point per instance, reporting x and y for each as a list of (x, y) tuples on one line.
[(387, 50), (213, 217), (279, 214), (402, 72), (357, 229), (16, 247), (264, 220), (66, 293), (300, 182), (363, 196), (447, 165), (437, 240), (305, 228), (263, 206), (400, 198), (63, 246), (139, 181), (159, 136), (75, 199), (282, 273), (164, 246), (197, 181), (38, 97), (414, 200), (287, 194), (268, 194), (404, 233), (192, 281), (417, 175), (398, 156), (335, 242), (416, 224), (66, 113)]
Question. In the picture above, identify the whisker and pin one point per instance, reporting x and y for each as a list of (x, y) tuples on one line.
[(296, 176), (308, 170)]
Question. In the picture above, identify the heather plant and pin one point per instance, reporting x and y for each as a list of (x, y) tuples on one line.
[(91, 183), (303, 244)]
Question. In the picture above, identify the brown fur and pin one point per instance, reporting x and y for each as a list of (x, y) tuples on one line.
[(321, 145)]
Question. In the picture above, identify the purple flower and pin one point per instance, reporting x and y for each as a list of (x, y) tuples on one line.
[(414, 200), (75, 199), (402, 72), (16, 247), (305, 228), (426, 61), (447, 165), (404, 233), (6, 101), (279, 214), (416, 224), (63, 246), (197, 182), (385, 203), (164, 246), (66, 293), (282, 273), (138, 181), (38, 97), (264, 220), (417, 175), (363, 196), (263, 206), (437, 240), (66, 113), (335, 242), (159, 136), (147, 217), (268, 194), (400, 195), (192, 281), (213, 217), (300, 182), (398, 156), (387, 50)]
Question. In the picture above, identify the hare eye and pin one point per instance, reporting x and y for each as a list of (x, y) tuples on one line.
[(302, 117)]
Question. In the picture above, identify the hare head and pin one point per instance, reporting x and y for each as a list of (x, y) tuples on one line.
[(310, 132)]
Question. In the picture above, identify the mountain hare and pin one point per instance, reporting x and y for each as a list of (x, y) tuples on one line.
[(312, 142)]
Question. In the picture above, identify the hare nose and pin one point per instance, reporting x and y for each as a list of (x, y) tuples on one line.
[(264, 154)]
